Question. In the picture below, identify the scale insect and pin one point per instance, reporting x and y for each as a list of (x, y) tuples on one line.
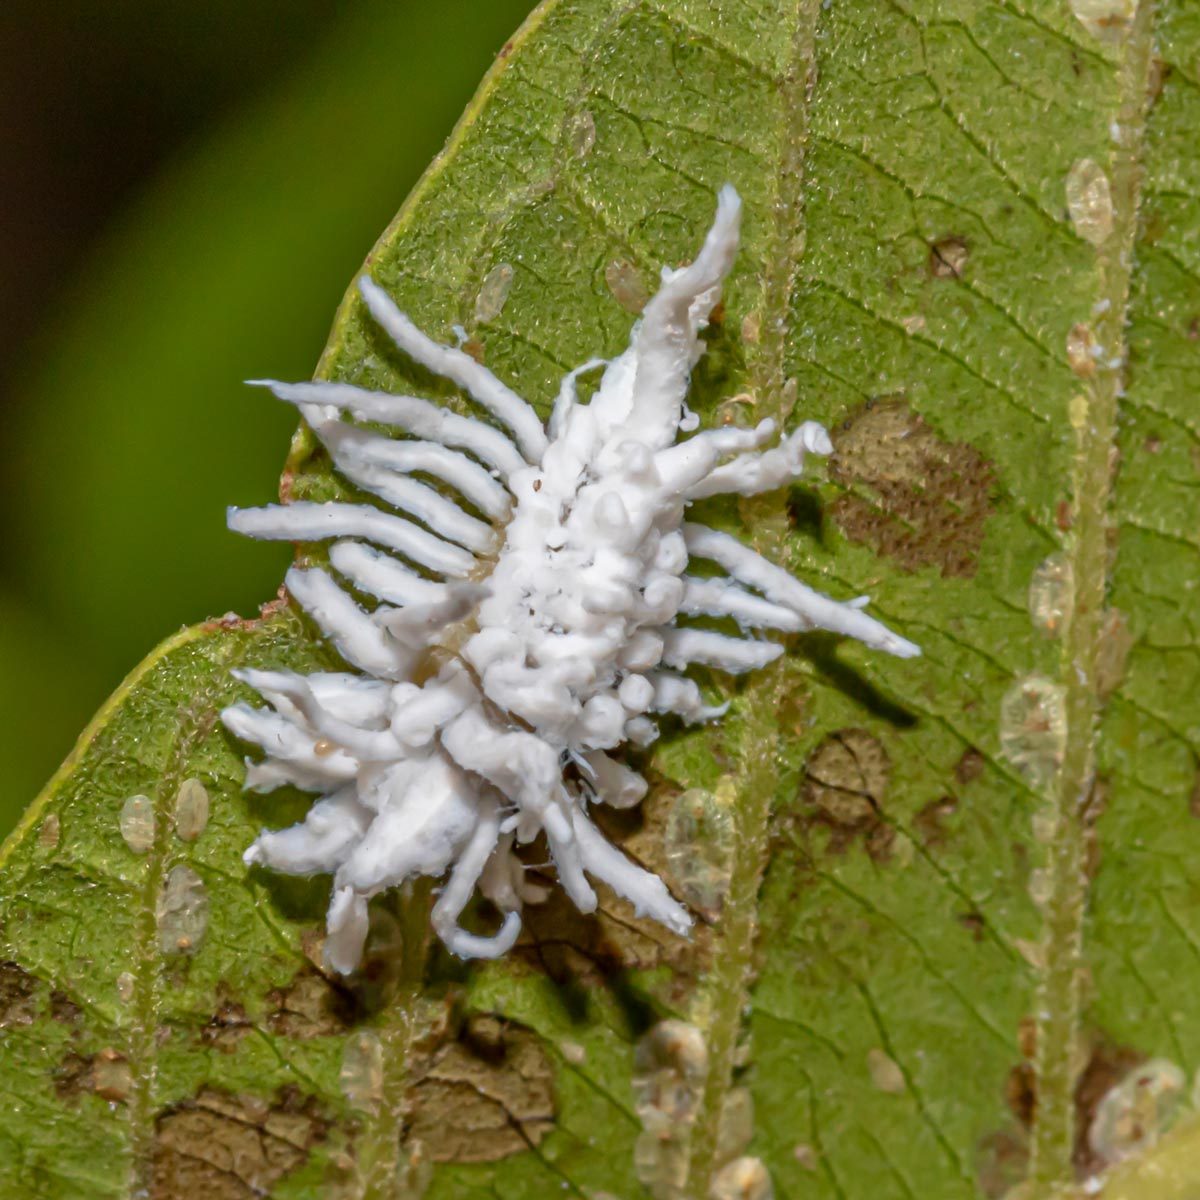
[(523, 634)]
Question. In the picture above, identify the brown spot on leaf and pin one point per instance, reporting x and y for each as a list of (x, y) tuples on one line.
[(625, 283), (973, 922), (18, 992), (73, 1076), (106, 1073), (63, 1009), (310, 1006), (1001, 1162), (223, 1147), (20, 1002), (948, 258), (912, 496), (1003, 1154), (485, 1096), (1020, 1093), (927, 824), (226, 1027), (1160, 72), (845, 784), (970, 766)]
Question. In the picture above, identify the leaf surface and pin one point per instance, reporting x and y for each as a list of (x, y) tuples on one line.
[(954, 940)]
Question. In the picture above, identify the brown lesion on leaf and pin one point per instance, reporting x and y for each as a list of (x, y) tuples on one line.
[(1003, 1155), (1090, 813), (912, 496), (948, 257), (231, 621), (310, 1006), (485, 1095), (223, 1147), (969, 766), (23, 999), (18, 996), (106, 1073), (227, 1026), (845, 785), (929, 823)]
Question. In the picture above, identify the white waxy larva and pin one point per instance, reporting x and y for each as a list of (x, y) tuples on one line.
[(537, 672)]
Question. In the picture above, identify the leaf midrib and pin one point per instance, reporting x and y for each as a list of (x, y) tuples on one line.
[(1058, 1006), (757, 718)]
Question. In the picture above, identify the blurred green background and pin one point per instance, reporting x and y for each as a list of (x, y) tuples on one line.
[(189, 187)]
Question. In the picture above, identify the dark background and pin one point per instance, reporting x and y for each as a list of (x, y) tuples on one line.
[(187, 187)]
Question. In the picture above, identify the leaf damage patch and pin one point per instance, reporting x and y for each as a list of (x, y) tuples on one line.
[(225, 1147), (845, 784), (107, 1074), (1122, 1102), (310, 1006), (485, 1096), (910, 495), (21, 999)]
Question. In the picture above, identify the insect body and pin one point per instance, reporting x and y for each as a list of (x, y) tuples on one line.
[(497, 684)]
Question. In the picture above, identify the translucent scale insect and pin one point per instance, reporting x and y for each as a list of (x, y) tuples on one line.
[(524, 635)]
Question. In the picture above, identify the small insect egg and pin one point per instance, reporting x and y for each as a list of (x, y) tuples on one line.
[(361, 1074), (885, 1072), (743, 1179), (1052, 594), (112, 1077), (737, 410), (573, 1053), (1115, 643), (669, 1066), (323, 747), (137, 823), (698, 847), (493, 293), (581, 133), (1089, 201), (735, 1128), (626, 286), (1081, 347), (805, 1156), (1106, 20), (191, 810), (182, 911), (1033, 728), (537, 485), (49, 832), (1077, 412), (1133, 1115)]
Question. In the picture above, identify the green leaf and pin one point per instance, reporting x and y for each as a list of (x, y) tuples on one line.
[(955, 941)]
